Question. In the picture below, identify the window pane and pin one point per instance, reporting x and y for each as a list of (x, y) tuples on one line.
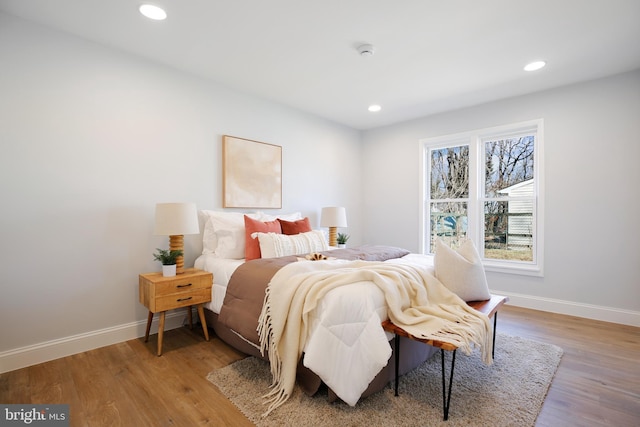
[(508, 162), (508, 230), (450, 173), (448, 222)]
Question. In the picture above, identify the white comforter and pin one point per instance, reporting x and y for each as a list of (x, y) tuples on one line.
[(346, 346)]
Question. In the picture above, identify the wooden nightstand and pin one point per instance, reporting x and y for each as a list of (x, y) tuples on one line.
[(160, 294)]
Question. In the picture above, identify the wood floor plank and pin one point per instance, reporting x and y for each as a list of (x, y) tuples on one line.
[(14, 387), (190, 360), (196, 363), (100, 392), (597, 383), (136, 401), (52, 383), (598, 380)]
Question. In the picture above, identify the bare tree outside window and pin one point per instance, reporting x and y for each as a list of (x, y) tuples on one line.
[(449, 185), (508, 203), (505, 179), (450, 173)]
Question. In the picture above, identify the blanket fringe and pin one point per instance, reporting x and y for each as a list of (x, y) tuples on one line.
[(264, 322), (463, 338), (275, 399), (278, 395)]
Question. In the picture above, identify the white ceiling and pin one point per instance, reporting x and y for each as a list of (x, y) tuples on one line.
[(431, 56)]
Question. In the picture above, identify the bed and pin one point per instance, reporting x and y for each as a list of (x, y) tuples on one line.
[(342, 330)]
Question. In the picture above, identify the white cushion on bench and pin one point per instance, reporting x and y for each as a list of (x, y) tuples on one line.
[(461, 271)]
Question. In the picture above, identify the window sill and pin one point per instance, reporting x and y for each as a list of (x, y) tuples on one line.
[(521, 269), (516, 268)]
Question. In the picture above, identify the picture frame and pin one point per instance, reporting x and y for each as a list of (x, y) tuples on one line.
[(251, 174)]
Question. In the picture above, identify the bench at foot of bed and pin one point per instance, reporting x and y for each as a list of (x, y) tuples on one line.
[(489, 307)]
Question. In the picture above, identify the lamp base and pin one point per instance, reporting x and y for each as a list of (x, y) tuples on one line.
[(333, 236), (176, 243)]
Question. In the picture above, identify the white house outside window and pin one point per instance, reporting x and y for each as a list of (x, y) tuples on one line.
[(487, 186)]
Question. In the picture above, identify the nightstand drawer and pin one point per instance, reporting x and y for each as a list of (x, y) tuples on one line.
[(179, 300), (178, 285), (193, 283)]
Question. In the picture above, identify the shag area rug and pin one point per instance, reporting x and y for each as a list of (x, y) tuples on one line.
[(508, 393)]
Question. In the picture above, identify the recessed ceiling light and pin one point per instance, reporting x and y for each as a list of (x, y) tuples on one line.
[(533, 66), (374, 108), (153, 12)]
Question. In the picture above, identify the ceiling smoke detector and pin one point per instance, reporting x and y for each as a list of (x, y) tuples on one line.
[(365, 50)]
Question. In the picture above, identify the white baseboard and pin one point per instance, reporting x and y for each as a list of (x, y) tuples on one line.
[(570, 308), (50, 350)]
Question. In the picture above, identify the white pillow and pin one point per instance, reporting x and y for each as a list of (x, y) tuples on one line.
[(285, 217), (209, 239), (224, 234), (274, 245), (461, 271)]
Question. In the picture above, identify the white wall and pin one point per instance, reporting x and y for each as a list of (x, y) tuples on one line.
[(91, 139), (592, 150)]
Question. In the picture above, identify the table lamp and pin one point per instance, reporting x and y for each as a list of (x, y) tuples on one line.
[(333, 217), (175, 220)]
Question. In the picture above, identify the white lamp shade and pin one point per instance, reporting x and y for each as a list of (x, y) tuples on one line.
[(333, 217), (174, 219)]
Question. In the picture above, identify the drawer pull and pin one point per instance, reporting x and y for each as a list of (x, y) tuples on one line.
[(184, 299), (184, 286)]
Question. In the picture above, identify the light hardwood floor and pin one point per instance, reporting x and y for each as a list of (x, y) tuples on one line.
[(126, 384)]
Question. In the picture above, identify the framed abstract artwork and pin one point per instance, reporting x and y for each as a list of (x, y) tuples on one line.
[(251, 174)]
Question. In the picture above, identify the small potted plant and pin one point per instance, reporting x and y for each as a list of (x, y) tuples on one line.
[(168, 260), (342, 240)]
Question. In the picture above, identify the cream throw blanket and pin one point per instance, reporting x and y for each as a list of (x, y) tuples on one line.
[(416, 301)]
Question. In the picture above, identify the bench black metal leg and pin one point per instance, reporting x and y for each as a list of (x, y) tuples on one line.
[(495, 324), (446, 396), (397, 356)]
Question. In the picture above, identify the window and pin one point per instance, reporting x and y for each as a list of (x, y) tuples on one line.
[(486, 186)]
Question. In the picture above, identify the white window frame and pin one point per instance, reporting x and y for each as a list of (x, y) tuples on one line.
[(475, 203)]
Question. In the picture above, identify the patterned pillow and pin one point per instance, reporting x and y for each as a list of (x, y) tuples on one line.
[(274, 245)]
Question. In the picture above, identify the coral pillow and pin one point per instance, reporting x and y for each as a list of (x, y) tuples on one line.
[(461, 271), (252, 246), (295, 227)]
